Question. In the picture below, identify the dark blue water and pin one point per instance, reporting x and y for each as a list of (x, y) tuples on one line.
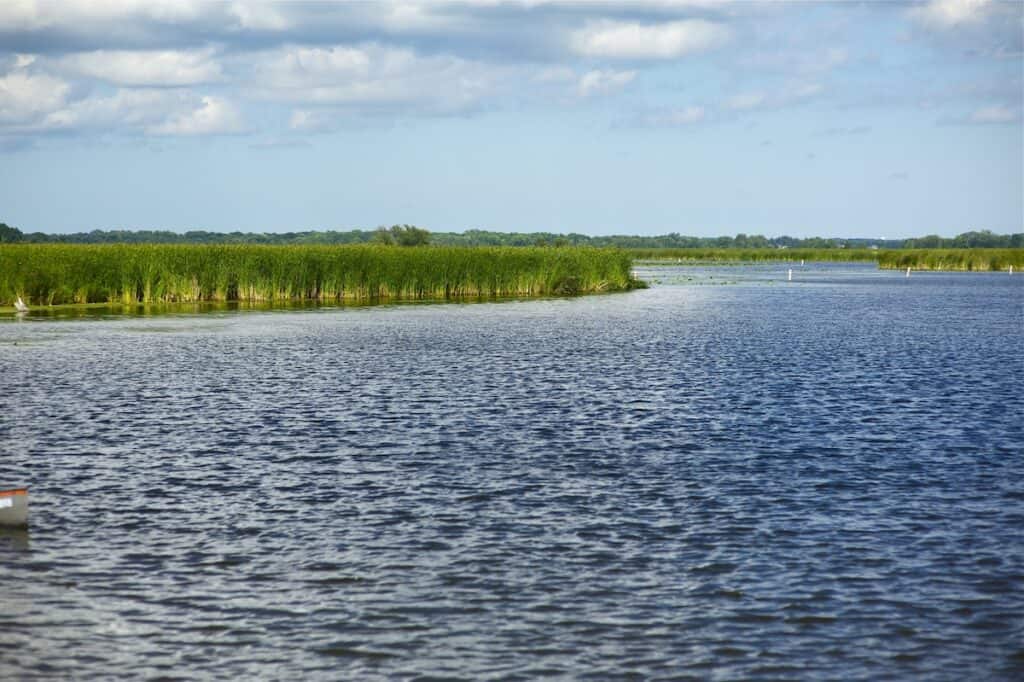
[(761, 480)]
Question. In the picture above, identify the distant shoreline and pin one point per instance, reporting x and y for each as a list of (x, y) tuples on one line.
[(967, 260)]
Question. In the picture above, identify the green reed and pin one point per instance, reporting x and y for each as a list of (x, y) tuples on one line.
[(754, 255), (160, 273), (953, 259), (918, 259)]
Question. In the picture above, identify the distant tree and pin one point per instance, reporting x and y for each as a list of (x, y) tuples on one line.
[(383, 235), (10, 234), (409, 235)]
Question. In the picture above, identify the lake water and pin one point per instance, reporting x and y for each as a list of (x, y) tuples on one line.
[(813, 479)]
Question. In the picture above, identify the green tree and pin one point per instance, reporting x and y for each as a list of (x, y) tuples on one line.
[(383, 235), (409, 235), (9, 234)]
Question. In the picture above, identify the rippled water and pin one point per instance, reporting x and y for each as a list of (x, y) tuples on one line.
[(816, 479)]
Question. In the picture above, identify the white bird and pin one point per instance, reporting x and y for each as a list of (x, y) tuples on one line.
[(20, 306)]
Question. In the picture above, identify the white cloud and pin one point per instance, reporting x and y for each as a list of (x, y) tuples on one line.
[(144, 67), (25, 97), (790, 94), (745, 101), (310, 121), (802, 91), (603, 82), (670, 118), (631, 40), (951, 13), (72, 14), (125, 109), (158, 111), (214, 116), (555, 74), (372, 77), (260, 16), (993, 115)]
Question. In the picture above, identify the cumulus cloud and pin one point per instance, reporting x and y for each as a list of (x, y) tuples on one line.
[(745, 101), (985, 116), (670, 117), (261, 16), (25, 98), (145, 67), (305, 120), (789, 94), (951, 13), (214, 116), (124, 109), (38, 103), (995, 114), (555, 74), (373, 77), (985, 28), (193, 66), (632, 40), (603, 82)]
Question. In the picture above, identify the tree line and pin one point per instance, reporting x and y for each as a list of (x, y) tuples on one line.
[(410, 235)]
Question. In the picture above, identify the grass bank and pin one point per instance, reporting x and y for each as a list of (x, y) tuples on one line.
[(754, 255), (952, 259), (918, 259), (53, 274)]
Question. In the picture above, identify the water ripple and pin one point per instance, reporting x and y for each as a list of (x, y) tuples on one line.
[(754, 481)]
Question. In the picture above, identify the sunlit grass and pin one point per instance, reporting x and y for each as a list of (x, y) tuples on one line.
[(918, 259), (953, 259), (51, 274), (753, 255)]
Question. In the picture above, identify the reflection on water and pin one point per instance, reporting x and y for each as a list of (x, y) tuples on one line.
[(816, 479), (13, 539)]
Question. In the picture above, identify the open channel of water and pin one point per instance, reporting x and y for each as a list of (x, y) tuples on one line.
[(821, 478)]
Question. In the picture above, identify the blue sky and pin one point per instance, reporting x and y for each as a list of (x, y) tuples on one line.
[(875, 119)]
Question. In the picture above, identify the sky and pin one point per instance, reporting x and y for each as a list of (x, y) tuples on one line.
[(842, 119)]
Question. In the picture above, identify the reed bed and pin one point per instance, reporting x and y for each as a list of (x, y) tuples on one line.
[(754, 255), (953, 259), (51, 274), (917, 259)]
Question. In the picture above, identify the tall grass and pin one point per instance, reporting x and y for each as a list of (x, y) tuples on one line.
[(144, 273), (754, 255), (952, 259), (918, 259)]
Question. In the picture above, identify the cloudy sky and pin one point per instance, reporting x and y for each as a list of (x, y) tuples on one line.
[(877, 119)]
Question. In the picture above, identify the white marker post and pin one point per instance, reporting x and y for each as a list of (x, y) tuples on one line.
[(790, 275), (1011, 269), (908, 272)]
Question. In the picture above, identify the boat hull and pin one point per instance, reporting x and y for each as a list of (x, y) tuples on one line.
[(14, 507)]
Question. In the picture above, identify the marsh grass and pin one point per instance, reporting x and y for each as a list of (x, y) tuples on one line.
[(53, 274), (918, 259), (953, 259), (753, 255)]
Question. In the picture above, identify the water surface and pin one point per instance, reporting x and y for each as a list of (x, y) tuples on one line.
[(812, 479)]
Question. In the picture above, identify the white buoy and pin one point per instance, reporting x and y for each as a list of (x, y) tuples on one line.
[(791, 274), (801, 261), (20, 306), (1011, 269), (908, 272)]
